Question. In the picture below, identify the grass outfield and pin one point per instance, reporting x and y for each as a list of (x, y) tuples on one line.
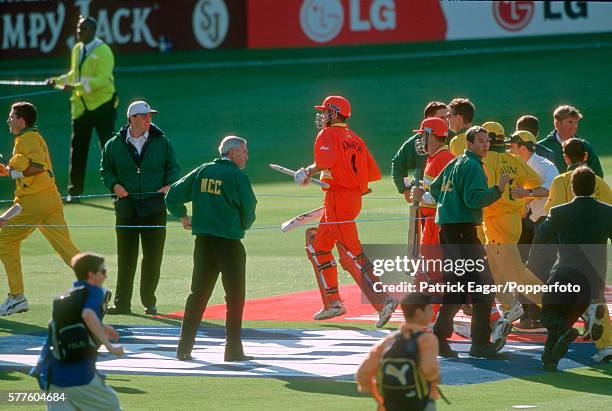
[(272, 107), (578, 389)]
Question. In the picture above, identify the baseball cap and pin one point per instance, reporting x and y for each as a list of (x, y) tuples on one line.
[(337, 103), (140, 107), (434, 125), (523, 137), (495, 130)]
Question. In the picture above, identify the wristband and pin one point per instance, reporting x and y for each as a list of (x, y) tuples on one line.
[(16, 174)]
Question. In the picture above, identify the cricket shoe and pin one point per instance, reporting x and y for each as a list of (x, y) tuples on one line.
[(500, 332), (514, 313), (384, 315), (503, 326), (335, 309), (14, 305), (563, 343), (596, 313), (603, 355)]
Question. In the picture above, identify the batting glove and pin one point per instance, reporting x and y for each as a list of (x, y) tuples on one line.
[(301, 177)]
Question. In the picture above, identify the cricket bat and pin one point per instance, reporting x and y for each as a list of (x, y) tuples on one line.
[(414, 226), (302, 219), (307, 217), (22, 83), (291, 173), (11, 212)]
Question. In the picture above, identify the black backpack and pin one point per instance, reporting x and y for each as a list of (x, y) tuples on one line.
[(399, 380), (69, 336)]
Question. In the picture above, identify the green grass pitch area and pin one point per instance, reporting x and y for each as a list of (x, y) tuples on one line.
[(267, 97)]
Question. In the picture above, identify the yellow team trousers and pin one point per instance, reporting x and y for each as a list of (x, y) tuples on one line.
[(40, 208), (503, 233)]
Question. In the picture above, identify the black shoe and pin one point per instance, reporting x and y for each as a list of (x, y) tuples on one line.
[(548, 362), (445, 349), (183, 356), (72, 199), (530, 326), (118, 311), (237, 358), (562, 345), (486, 351), (152, 310), (549, 366)]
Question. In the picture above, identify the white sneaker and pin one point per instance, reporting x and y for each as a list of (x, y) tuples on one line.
[(603, 355), (514, 313), (595, 318), (500, 332), (14, 305), (384, 315), (335, 310)]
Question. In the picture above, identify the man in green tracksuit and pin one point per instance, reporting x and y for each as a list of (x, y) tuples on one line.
[(223, 206), (461, 192), (93, 100), (138, 165), (408, 158)]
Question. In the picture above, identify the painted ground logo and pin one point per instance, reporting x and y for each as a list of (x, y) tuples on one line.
[(210, 22), (513, 15), (321, 20), (282, 353)]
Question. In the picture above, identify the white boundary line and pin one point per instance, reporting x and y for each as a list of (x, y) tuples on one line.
[(332, 59)]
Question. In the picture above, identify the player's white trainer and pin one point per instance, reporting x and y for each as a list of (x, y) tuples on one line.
[(14, 305), (603, 355), (335, 309), (514, 313), (594, 320), (384, 315), (500, 332)]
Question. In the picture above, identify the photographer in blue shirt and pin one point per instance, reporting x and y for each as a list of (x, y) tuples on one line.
[(73, 374)]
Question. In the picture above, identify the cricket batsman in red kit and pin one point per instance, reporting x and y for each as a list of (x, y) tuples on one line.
[(431, 142), (347, 166)]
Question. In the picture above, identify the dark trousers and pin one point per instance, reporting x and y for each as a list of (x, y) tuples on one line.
[(460, 242), (103, 120), (561, 310), (128, 239), (212, 255)]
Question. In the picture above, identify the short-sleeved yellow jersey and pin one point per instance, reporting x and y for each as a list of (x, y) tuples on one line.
[(31, 149), (561, 191), (498, 164)]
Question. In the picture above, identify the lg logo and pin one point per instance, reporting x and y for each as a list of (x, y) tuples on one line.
[(513, 15), (516, 15), (322, 20), (210, 22)]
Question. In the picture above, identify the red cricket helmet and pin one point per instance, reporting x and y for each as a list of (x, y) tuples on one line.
[(336, 105), (430, 126), (435, 126)]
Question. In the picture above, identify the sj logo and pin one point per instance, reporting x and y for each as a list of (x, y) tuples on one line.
[(212, 186)]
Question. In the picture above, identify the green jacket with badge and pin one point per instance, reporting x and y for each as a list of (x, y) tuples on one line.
[(461, 191), (406, 159), (140, 174), (222, 198), (551, 143), (92, 78)]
